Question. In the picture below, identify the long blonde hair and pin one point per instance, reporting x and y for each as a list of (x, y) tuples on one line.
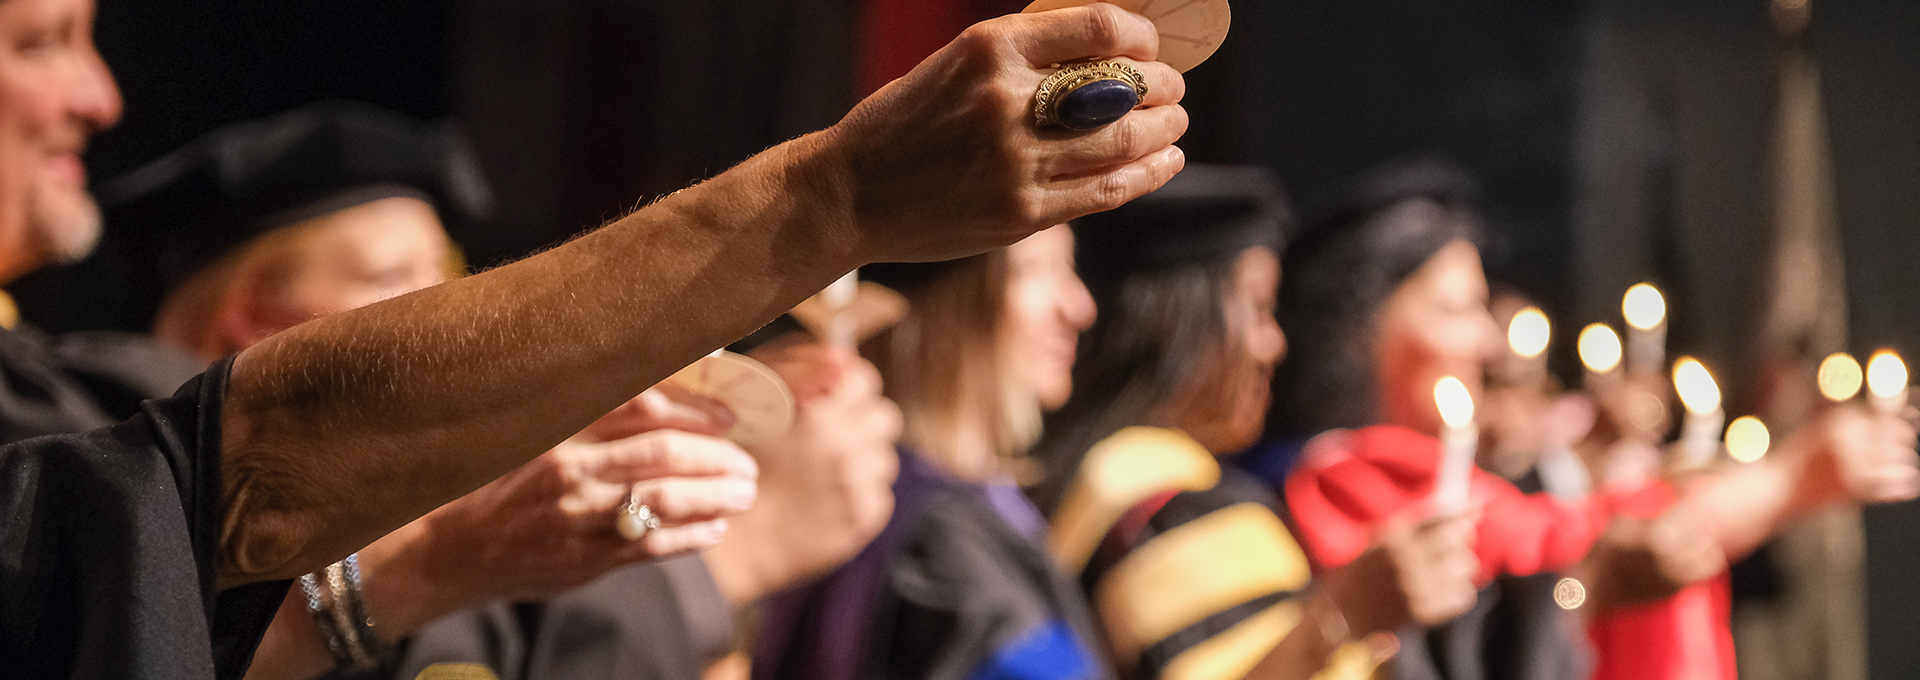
[(948, 361)]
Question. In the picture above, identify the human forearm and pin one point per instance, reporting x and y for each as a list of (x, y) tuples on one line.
[(400, 597), (1739, 507), (291, 649), (345, 428), (570, 334)]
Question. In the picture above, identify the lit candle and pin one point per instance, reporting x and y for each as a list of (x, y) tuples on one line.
[(1527, 335), (1459, 441), (1747, 439), (1700, 431), (839, 298), (1887, 382), (1646, 313), (1599, 352), (1839, 377)]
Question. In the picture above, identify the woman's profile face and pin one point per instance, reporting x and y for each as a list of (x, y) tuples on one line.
[(1226, 408), (1435, 324), (1046, 309)]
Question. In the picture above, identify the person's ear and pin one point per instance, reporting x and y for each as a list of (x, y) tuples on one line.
[(250, 310)]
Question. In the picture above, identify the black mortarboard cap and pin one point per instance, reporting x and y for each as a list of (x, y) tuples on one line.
[(248, 178), (1203, 213)]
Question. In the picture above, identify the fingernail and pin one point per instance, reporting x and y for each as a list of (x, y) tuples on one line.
[(714, 531), (744, 494)]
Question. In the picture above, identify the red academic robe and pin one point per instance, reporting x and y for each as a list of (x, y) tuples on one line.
[(1684, 637), (1350, 480)]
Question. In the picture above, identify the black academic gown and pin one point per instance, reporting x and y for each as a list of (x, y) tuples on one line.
[(108, 558), (653, 621), (81, 381)]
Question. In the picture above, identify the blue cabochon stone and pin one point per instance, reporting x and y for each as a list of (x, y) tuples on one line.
[(1095, 104)]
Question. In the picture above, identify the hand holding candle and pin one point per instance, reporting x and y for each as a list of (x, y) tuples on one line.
[(1646, 313), (1700, 431), (1600, 352), (1528, 335), (1887, 383), (1459, 440)]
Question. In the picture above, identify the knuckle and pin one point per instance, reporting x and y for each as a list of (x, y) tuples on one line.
[(660, 543), (1027, 207), (996, 99), (683, 452), (648, 450), (1113, 190), (1106, 25), (1172, 82), (1123, 138), (892, 421), (671, 501), (980, 37), (1181, 120)]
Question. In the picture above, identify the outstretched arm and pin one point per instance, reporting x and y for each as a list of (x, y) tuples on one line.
[(344, 428), (1843, 455)]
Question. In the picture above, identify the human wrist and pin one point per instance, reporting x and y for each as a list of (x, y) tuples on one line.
[(733, 570), (819, 174), (410, 577), (802, 190)]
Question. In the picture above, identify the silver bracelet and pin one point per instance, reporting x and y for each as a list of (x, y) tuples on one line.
[(340, 612), (323, 620)]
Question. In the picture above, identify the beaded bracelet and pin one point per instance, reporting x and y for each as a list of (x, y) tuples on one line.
[(340, 613)]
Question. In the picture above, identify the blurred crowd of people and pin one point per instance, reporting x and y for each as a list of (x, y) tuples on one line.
[(1178, 428)]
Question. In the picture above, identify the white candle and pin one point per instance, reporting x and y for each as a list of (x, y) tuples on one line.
[(1528, 335), (1646, 313), (1887, 382), (1700, 431), (1459, 440), (1839, 377), (839, 298), (1564, 475), (1600, 352)]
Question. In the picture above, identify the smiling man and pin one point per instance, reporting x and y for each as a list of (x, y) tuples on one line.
[(55, 93)]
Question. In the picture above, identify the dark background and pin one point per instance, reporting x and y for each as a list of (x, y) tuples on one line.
[(583, 109)]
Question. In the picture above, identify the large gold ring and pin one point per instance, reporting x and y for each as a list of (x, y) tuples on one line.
[(1088, 95)]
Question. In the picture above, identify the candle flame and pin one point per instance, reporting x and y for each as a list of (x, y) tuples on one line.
[(1698, 392), (1599, 348), (1644, 307), (1456, 404), (1886, 374), (1528, 333), (1747, 439), (1839, 377)]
